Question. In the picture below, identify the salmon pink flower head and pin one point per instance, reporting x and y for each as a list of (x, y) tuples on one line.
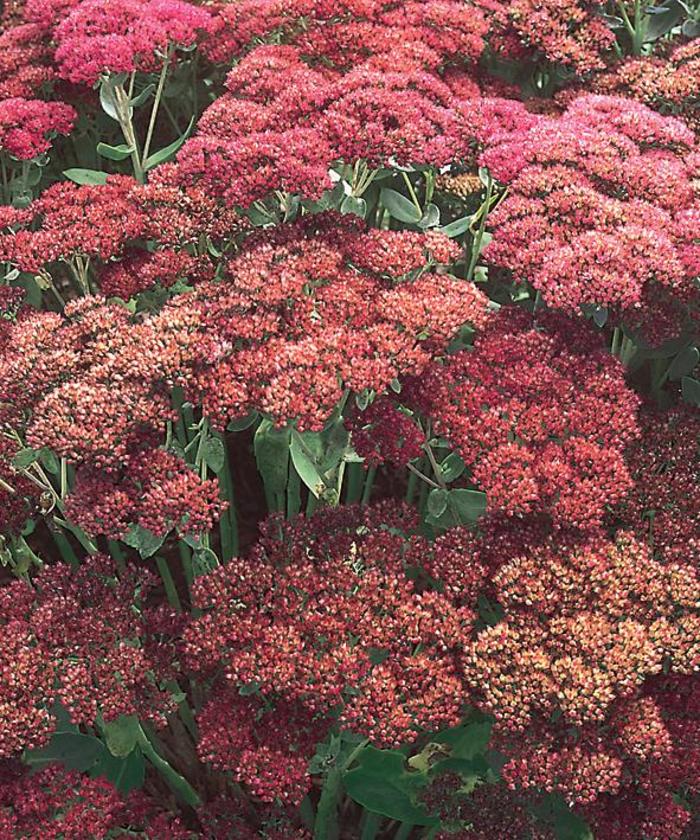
[(122, 36), (28, 125), (598, 205), (539, 435)]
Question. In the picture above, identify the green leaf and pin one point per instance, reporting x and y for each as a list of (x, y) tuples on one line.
[(400, 207), (144, 541), (467, 505), (305, 464), (271, 447), (214, 454), (244, 422), (73, 750), (49, 460), (86, 177), (120, 152), (452, 467), (437, 502), (464, 507), (662, 19), (457, 227), (430, 217), (691, 390), (168, 151), (204, 561), (143, 96), (382, 784), (467, 740), (684, 363), (599, 314), (25, 458), (126, 774), (353, 205), (122, 735)]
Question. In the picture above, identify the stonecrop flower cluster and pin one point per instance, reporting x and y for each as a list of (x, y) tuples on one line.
[(349, 432)]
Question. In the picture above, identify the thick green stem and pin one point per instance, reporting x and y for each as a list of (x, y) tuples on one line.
[(124, 116), (65, 548), (293, 492), (369, 484), (356, 480), (177, 783), (156, 105), (228, 526), (326, 825), (476, 245), (168, 583), (115, 551)]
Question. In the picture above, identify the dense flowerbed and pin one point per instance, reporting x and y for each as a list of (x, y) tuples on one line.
[(349, 420)]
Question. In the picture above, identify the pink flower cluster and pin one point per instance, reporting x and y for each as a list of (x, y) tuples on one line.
[(79, 637), (320, 617), (99, 37), (305, 312), (540, 413), (27, 125), (570, 33), (573, 671), (597, 203)]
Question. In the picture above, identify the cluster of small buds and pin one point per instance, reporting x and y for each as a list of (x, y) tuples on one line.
[(69, 220), (19, 497), (228, 817), (580, 771), (307, 314), (637, 815), (387, 106), (462, 185), (122, 36), (586, 622), (669, 83), (158, 492), (56, 803), (383, 433), (325, 617), (488, 811), (344, 32), (138, 271), (27, 125), (589, 217), (76, 636), (570, 33), (265, 746), (540, 413), (664, 465), (25, 61)]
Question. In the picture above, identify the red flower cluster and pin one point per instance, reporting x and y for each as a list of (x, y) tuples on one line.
[(665, 467), (669, 83), (345, 32), (596, 206), (27, 125), (305, 313), (158, 492), (284, 122), (587, 623), (321, 618), (25, 61), (59, 804), (120, 36), (68, 220), (79, 637), (540, 413), (571, 33)]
